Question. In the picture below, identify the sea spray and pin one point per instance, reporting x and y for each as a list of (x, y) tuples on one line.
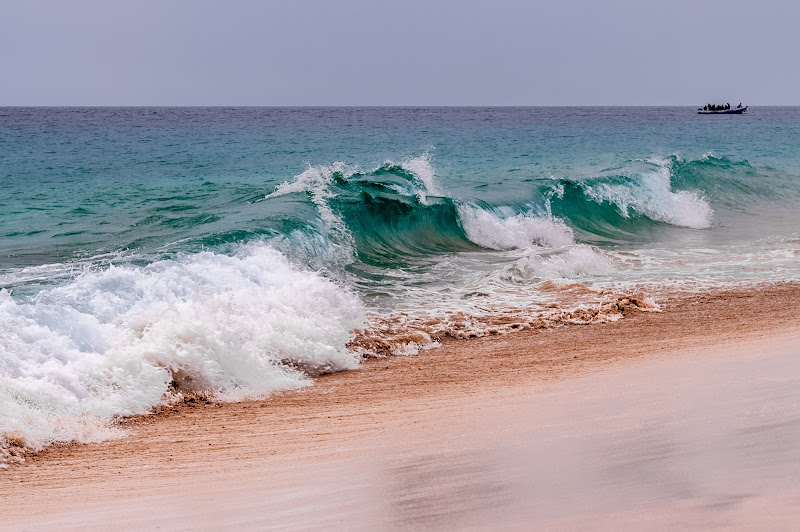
[(422, 170)]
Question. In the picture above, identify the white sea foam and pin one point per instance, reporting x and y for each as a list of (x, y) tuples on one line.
[(117, 341), (651, 195), (572, 263), (423, 172), (316, 181), (512, 232)]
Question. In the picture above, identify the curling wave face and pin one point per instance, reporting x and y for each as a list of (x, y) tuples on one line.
[(396, 212)]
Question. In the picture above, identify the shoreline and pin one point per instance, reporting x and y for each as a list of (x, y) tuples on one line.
[(407, 399)]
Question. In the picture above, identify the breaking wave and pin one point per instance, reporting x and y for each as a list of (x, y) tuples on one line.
[(624, 202), (120, 341), (396, 212)]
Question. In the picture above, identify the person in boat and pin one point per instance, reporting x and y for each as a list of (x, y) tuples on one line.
[(739, 106), (705, 108), (727, 106)]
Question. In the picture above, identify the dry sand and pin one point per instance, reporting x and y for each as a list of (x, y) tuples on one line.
[(686, 417)]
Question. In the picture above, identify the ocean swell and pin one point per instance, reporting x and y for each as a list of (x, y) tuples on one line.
[(397, 212)]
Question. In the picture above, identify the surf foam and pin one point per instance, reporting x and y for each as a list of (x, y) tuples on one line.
[(650, 195), (513, 232), (122, 340), (575, 262)]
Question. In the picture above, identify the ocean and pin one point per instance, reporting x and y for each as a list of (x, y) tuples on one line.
[(150, 253)]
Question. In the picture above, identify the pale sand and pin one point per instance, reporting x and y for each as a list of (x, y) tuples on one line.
[(685, 418)]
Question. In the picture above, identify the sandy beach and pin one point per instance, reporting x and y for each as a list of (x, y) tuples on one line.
[(686, 417)]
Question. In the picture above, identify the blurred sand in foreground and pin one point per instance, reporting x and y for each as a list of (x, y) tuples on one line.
[(685, 418)]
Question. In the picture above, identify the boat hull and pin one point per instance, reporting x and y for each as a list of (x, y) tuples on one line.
[(736, 111)]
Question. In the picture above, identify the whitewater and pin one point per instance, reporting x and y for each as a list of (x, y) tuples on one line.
[(148, 255)]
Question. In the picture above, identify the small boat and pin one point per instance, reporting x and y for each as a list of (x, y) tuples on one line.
[(734, 111)]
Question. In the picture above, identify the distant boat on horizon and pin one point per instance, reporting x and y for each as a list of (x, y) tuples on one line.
[(732, 111)]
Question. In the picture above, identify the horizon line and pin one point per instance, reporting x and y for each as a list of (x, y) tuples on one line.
[(335, 106)]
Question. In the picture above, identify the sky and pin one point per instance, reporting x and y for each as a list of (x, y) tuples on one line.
[(410, 52)]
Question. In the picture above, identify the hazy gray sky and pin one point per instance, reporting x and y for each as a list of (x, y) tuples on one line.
[(410, 52)]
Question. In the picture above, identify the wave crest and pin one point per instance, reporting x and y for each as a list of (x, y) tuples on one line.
[(651, 195)]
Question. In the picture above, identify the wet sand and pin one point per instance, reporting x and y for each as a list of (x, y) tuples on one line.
[(685, 418)]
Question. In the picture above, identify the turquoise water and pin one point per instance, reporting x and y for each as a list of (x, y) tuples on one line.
[(148, 251), (80, 182)]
